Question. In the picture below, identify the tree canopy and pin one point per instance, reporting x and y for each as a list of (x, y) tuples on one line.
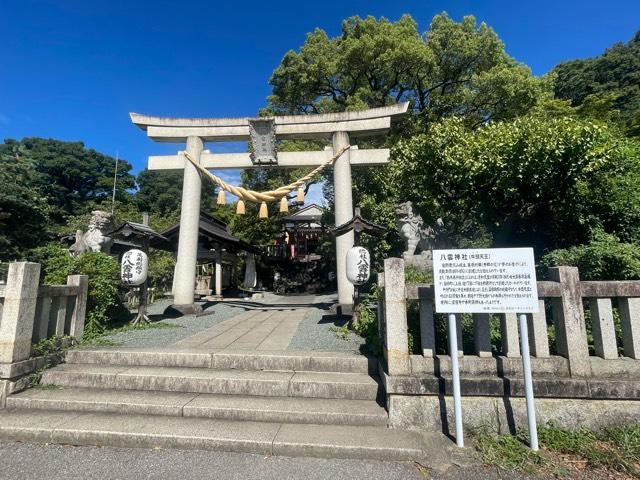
[(531, 181), (455, 68), (23, 208), (613, 77), (73, 178)]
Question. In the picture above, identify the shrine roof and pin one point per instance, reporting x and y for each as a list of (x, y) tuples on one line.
[(215, 230), (359, 225)]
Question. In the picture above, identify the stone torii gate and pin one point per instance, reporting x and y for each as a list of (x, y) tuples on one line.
[(339, 127)]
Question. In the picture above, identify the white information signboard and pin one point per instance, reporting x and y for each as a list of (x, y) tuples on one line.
[(488, 280)]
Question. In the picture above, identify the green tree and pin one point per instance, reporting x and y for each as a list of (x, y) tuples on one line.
[(613, 77), (603, 258), (452, 69), (159, 191), (72, 177), (160, 194), (23, 208), (530, 181)]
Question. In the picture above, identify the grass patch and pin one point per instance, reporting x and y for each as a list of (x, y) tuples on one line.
[(342, 333), (52, 345), (507, 452), (613, 451)]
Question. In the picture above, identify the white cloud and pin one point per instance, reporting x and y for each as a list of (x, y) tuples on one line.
[(315, 195), (229, 176)]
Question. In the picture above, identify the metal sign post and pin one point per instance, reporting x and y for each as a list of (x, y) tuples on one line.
[(455, 371), (528, 383), (496, 280)]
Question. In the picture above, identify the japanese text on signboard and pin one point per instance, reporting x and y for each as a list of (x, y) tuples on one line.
[(485, 280)]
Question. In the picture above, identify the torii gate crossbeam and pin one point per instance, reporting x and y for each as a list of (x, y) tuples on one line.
[(194, 132)]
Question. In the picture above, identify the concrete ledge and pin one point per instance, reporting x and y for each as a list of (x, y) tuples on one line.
[(360, 442), (227, 359), (493, 386), (353, 386), (17, 369), (623, 367), (488, 366), (223, 407), (376, 443), (145, 357), (504, 415)]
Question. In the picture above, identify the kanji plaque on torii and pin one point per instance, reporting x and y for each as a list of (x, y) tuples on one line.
[(341, 128)]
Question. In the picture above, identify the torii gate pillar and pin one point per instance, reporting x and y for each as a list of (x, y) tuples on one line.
[(185, 272), (343, 199)]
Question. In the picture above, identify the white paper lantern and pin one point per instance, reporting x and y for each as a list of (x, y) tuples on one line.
[(134, 267), (358, 265)]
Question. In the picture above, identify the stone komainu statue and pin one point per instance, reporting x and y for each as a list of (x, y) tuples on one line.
[(96, 238), (416, 235)]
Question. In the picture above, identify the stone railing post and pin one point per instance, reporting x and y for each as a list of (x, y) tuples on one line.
[(630, 317), (381, 324), (396, 349), (481, 334), (509, 334), (568, 317), (427, 327), (18, 313), (603, 328), (76, 328), (537, 328)]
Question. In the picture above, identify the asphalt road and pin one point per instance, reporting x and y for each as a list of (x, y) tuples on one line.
[(23, 461)]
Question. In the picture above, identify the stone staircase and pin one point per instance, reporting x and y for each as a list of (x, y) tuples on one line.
[(282, 402)]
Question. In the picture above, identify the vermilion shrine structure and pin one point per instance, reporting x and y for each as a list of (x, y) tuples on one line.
[(341, 128)]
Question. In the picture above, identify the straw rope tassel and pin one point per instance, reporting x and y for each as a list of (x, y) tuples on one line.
[(264, 213), (244, 194), (300, 196), (240, 208), (221, 197), (284, 205)]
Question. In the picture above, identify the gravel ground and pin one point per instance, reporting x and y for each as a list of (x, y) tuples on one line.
[(314, 331), (185, 326), (54, 462)]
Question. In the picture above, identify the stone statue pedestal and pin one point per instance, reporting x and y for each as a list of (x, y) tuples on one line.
[(186, 309), (422, 262)]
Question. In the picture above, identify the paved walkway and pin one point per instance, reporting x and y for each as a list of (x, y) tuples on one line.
[(297, 322), (252, 330), (262, 327)]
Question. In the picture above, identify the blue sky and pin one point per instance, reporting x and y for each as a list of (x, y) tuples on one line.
[(73, 69)]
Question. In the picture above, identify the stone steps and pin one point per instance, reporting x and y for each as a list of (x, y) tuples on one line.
[(266, 438), (223, 407), (337, 362), (265, 402), (270, 383)]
